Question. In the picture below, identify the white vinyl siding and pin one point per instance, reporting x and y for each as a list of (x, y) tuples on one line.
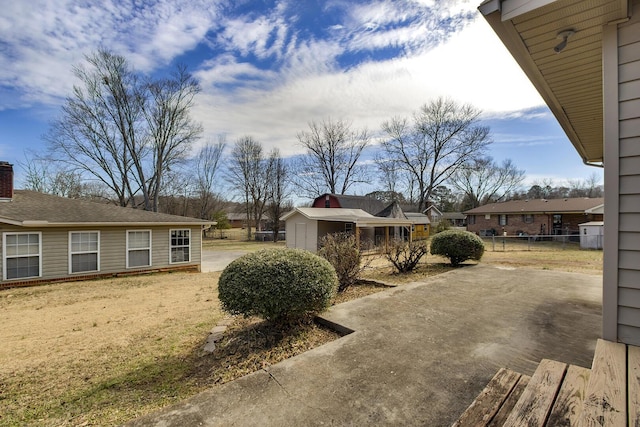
[(22, 255), (138, 248), (84, 251), (179, 246), (628, 262)]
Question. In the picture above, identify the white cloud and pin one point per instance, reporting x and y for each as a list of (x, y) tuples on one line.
[(41, 40), (472, 67)]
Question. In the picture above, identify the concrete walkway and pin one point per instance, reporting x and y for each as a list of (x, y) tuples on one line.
[(419, 355), (218, 260)]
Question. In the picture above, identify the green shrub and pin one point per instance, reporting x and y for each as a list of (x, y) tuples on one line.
[(280, 285), (405, 256), (341, 250), (443, 225), (457, 245)]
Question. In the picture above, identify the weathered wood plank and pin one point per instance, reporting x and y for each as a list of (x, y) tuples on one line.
[(507, 406), (485, 406), (535, 403), (633, 378), (605, 402), (567, 408)]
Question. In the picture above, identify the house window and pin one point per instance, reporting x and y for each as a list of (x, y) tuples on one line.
[(84, 251), (180, 246), (348, 227), (22, 255), (527, 218), (138, 248), (502, 219), (471, 219)]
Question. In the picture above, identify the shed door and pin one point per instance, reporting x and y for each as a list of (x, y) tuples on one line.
[(301, 235)]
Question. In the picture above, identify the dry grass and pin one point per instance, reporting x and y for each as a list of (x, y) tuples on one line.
[(105, 351)]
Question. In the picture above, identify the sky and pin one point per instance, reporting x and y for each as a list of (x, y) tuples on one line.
[(268, 68)]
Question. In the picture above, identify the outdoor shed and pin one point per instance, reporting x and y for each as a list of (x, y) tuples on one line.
[(305, 227), (591, 235), (49, 238)]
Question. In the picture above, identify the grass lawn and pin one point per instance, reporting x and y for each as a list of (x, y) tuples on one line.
[(105, 351)]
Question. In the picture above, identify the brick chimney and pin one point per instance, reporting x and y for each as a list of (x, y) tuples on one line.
[(6, 181)]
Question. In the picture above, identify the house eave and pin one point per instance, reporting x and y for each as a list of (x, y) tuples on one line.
[(578, 112)]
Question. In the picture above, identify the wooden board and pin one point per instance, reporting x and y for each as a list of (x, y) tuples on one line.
[(606, 400), (507, 406), (633, 374), (567, 408), (485, 406), (535, 403)]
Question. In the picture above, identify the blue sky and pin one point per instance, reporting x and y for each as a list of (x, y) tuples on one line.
[(267, 68)]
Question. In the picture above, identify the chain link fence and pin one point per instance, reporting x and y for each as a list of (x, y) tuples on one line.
[(542, 242)]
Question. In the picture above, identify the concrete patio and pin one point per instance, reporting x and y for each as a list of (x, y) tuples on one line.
[(419, 355)]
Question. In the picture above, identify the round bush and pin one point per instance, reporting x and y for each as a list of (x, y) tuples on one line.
[(457, 245), (280, 285)]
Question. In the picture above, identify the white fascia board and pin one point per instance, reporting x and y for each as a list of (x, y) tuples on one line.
[(489, 6), (514, 8)]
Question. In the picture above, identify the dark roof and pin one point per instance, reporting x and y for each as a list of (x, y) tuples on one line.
[(31, 209), (573, 205), (453, 215), (392, 211), (366, 203)]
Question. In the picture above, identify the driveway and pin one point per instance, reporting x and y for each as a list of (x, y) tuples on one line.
[(419, 355), (218, 260)]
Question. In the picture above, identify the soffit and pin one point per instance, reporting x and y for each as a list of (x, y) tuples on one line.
[(570, 82)]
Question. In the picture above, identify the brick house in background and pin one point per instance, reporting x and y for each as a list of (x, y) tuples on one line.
[(534, 217)]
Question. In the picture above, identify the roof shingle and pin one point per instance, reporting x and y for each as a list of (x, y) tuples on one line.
[(570, 205), (30, 208)]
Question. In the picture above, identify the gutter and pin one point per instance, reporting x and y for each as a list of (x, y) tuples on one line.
[(46, 224), (597, 165)]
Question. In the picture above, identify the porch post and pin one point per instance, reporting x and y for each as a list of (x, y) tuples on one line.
[(386, 237), (357, 236)]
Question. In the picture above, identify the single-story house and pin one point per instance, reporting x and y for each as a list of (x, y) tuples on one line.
[(584, 59), (420, 228), (434, 214), (533, 217), (49, 238), (455, 219), (305, 227), (239, 220)]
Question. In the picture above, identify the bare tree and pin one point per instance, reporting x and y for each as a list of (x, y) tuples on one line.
[(46, 177), (483, 180), (332, 160), (123, 130), (206, 167), (248, 174), (590, 187), (171, 130), (442, 137), (98, 121), (278, 190)]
